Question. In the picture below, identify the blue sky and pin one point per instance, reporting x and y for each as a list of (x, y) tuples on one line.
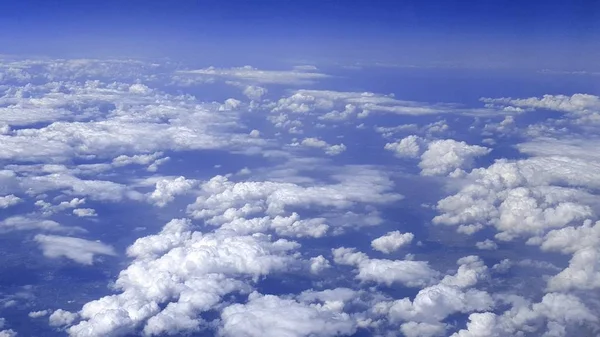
[(299, 168), (551, 34)]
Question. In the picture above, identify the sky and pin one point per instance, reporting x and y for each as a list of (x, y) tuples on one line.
[(299, 168), (553, 34)]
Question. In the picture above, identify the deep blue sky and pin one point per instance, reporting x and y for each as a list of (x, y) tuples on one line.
[(545, 34)]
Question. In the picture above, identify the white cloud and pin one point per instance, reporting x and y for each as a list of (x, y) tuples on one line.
[(518, 197), (407, 273), (486, 245), (552, 315), (271, 316), (94, 189), (406, 147), (37, 314), (443, 156), (79, 250), (392, 241), (354, 185), (414, 329), (152, 159), (255, 92), (579, 103), (21, 223), (438, 157), (60, 318), (331, 150), (432, 305), (85, 212), (251, 75), (167, 188), (187, 273), (137, 124), (332, 105), (48, 209), (6, 332), (9, 200), (318, 264)]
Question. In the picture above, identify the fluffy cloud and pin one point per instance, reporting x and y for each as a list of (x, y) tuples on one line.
[(325, 102), (486, 245), (408, 273), (580, 109), (9, 200), (331, 150), (187, 273), (6, 332), (424, 315), (153, 160), (443, 156), (272, 316), (392, 241), (438, 157), (318, 264), (255, 92), (137, 125), (518, 198), (406, 147), (166, 189), (76, 249), (61, 318), (546, 318), (222, 201), (85, 212), (576, 103)]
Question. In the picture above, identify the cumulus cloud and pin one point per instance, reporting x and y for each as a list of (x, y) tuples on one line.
[(443, 156), (9, 200), (438, 157), (152, 160), (37, 314), (138, 125), (48, 208), (167, 188), (331, 150), (222, 201), (546, 318), (85, 212), (6, 332), (518, 197), (187, 273), (424, 315), (324, 101), (405, 272), (392, 241), (486, 245), (255, 92), (318, 264), (407, 147), (71, 128), (272, 316), (60, 318), (573, 103)]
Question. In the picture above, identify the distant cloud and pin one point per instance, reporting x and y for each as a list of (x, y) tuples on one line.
[(252, 75), (79, 250)]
